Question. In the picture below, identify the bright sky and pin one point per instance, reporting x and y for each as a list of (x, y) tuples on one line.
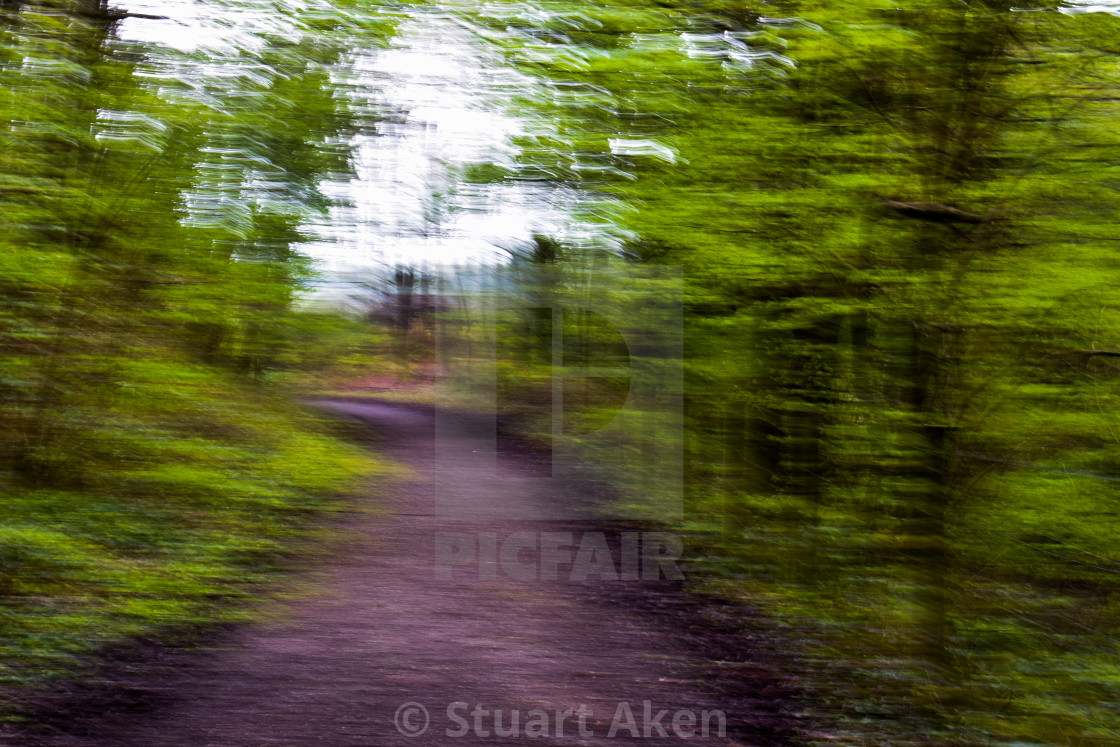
[(407, 203), (437, 91)]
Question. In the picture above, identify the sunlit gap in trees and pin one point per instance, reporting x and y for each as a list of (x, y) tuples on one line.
[(435, 129)]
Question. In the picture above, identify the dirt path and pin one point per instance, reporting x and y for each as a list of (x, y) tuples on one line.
[(388, 630)]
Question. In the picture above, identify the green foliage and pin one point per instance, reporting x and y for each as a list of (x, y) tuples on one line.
[(150, 466), (895, 226), (330, 350)]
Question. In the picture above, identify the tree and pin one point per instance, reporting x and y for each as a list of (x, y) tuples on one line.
[(882, 211), (148, 467)]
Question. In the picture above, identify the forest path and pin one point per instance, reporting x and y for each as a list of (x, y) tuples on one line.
[(382, 629)]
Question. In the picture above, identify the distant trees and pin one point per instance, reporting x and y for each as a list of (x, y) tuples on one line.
[(409, 304)]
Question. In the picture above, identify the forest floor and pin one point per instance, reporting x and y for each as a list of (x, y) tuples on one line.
[(382, 630)]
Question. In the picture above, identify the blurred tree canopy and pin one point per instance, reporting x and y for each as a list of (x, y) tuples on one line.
[(151, 199), (896, 226)]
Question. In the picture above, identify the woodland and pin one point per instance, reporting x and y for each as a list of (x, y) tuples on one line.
[(885, 232)]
